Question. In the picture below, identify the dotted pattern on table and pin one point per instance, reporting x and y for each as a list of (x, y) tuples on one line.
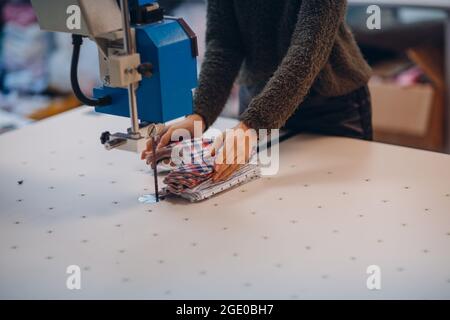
[(309, 232)]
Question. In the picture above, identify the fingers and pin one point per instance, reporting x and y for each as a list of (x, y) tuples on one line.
[(150, 158), (147, 150), (236, 152), (159, 155), (149, 147), (165, 139), (215, 146), (226, 159), (230, 171), (226, 155), (225, 172), (219, 169)]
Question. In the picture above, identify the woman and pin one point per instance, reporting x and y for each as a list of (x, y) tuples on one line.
[(299, 68)]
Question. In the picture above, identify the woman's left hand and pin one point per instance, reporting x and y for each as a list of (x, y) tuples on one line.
[(238, 144)]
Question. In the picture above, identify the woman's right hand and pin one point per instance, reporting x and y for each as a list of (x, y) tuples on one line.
[(187, 124)]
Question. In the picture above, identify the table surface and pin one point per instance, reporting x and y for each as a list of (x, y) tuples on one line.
[(439, 4), (336, 207)]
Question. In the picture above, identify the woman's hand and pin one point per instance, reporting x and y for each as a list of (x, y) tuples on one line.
[(192, 124), (238, 145)]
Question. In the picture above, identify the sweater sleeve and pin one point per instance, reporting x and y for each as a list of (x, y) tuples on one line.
[(223, 59), (311, 44)]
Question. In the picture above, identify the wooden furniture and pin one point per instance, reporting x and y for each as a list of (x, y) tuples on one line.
[(431, 4)]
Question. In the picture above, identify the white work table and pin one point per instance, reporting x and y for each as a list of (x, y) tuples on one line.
[(336, 207)]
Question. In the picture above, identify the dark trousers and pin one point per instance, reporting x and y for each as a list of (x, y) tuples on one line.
[(348, 116)]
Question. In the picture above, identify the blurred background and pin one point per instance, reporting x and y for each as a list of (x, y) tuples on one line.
[(408, 57)]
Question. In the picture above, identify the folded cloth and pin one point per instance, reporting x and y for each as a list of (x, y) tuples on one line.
[(180, 153), (187, 177), (192, 179), (208, 189)]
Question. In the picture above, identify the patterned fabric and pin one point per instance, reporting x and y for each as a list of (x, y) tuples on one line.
[(184, 152), (192, 178), (195, 165)]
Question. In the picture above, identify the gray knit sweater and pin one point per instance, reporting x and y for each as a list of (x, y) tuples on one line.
[(292, 46)]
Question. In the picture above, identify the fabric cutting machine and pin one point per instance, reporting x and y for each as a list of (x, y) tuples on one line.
[(148, 63)]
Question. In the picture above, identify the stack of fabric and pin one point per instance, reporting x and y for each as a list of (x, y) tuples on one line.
[(206, 188), (187, 177), (191, 177)]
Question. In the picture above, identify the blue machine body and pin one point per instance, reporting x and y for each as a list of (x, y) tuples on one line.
[(144, 2), (168, 93)]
